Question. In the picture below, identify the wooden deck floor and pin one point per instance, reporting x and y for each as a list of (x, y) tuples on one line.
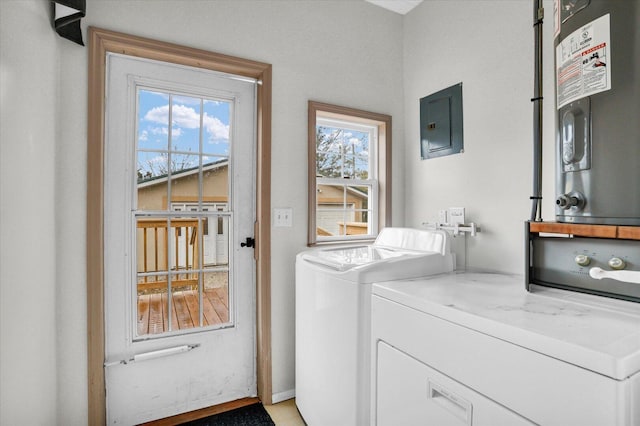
[(153, 317)]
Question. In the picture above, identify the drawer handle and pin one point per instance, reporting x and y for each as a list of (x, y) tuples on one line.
[(459, 407)]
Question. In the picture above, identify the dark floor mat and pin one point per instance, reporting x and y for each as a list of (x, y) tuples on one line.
[(251, 415)]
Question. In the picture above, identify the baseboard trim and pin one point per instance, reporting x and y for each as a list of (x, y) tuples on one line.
[(283, 396)]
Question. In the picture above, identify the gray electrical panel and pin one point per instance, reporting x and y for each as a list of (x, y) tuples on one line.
[(441, 123)]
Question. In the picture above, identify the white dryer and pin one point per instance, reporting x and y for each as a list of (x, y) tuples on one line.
[(333, 308), (476, 349)]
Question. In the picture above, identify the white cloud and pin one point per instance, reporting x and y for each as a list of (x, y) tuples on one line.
[(217, 129), (158, 115), (187, 117), (175, 132), (144, 136)]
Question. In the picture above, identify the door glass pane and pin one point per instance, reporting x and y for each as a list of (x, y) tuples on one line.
[(185, 185), (182, 255), (185, 124), (151, 179), (151, 246), (183, 246), (215, 179), (216, 297), (151, 305), (216, 241), (185, 302), (153, 120), (216, 123)]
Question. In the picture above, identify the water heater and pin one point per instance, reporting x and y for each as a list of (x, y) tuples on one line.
[(597, 70)]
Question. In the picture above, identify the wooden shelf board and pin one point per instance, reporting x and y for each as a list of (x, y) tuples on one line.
[(582, 230)]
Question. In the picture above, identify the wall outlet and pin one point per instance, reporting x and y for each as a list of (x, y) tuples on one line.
[(283, 218), (456, 215)]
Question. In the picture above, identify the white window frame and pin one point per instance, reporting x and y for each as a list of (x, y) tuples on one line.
[(379, 178)]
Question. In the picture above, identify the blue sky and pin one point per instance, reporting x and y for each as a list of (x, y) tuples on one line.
[(191, 116)]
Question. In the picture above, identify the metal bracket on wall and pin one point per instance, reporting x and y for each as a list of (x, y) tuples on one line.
[(456, 229)]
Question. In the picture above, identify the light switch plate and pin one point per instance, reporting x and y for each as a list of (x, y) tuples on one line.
[(283, 218), (442, 216)]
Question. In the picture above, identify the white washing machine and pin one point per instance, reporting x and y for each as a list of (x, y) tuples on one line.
[(333, 330)]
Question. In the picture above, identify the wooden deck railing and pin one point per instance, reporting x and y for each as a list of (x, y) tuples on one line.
[(153, 253)]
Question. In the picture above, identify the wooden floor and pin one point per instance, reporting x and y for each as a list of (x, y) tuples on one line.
[(154, 319)]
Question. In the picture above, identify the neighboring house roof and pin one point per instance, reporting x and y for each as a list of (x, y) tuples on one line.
[(154, 180)]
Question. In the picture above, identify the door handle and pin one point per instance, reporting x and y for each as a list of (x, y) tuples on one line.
[(249, 242)]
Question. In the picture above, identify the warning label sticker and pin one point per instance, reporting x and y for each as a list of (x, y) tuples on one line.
[(583, 62)]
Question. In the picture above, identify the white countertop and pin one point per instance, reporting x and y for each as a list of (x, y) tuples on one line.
[(596, 333)]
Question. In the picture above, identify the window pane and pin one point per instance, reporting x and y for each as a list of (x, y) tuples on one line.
[(215, 185), (361, 167), (152, 244), (328, 139), (153, 120), (216, 127), (185, 184), (342, 152), (328, 165), (330, 210), (216, 297), (216, 241), (152, 180), (185, 302), (151, 165), (185, 124), (349, 167), (152, 306), (183, 245), (359, 143), (358, 196)]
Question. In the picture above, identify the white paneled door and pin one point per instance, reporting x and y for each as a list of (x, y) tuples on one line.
[(179, 201)]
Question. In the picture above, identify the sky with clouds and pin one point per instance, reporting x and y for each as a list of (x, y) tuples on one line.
[(193, 119)]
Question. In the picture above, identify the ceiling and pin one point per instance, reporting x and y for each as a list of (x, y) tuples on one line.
[(398, 6)]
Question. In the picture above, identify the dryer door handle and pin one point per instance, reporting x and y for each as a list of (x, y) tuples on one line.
[(456, 405)]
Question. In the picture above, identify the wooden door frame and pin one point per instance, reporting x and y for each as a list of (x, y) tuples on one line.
[(100, 43)]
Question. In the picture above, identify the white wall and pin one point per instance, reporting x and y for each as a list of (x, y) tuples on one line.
[(28, 69), (342, 52), (488, 46)]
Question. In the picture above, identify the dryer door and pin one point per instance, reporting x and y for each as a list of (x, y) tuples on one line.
[(411, 393)]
